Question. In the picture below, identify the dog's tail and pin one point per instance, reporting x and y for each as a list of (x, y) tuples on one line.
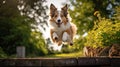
[(74, 29)]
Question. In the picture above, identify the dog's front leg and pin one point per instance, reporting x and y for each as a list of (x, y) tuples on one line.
[(55, 36)]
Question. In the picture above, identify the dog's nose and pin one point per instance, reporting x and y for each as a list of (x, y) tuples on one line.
[(59, 20)]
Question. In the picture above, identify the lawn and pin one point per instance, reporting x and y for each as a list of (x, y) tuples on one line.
[(66, 55)]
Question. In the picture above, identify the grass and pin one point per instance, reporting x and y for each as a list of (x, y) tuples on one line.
[(58, 55), (66, 55)]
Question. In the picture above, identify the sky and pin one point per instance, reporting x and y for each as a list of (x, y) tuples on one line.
[(57, 3)]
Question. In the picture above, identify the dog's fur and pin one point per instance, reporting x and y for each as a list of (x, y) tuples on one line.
[(61, 30)]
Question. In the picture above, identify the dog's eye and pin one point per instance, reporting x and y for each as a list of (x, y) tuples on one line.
[(61, 15), (55, 15)]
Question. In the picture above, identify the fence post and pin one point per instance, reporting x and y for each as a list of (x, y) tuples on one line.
[(20, 51)]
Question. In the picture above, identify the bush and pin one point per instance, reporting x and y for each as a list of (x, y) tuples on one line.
[(2, 53), (104, 33), (17, 32), (38, 46)]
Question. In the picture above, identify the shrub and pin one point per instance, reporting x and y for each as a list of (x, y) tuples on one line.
[(104, 33), (2, 53)]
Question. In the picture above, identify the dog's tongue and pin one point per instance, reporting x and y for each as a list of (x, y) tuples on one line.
[(58, 24)]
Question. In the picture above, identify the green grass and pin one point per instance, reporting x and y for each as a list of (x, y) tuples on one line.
[(57, 55), (66, 55)]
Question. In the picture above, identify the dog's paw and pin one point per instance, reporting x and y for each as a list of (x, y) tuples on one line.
[(55, 38), (71, 44)]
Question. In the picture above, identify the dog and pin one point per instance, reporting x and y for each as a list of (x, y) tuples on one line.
[(61, 29)]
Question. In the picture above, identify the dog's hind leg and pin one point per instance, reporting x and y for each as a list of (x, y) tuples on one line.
[(68, 36), (65, 37)]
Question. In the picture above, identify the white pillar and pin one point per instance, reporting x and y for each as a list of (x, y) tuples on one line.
[(20, 51)]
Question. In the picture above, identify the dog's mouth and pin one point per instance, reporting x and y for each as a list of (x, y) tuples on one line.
[(59, 24)]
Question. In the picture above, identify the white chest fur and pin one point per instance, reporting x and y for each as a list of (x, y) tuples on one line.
[(60, 29)]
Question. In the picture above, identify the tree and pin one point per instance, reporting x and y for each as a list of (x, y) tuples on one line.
[(83, 10), (35, 10), (82, 14), (105, 32), (17, 29)]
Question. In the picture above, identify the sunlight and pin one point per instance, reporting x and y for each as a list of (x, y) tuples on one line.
[(85, 34), (4, 1), (58, 3)]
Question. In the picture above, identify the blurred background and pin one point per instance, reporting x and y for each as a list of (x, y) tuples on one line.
[(25, 23)]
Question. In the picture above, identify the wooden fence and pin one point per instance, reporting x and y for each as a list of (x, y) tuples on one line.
[(63, 62)]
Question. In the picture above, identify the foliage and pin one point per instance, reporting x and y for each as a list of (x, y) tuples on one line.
[(17, 30), (82, 11), (116, 16), (35, 10), (39, 44), (2, 53), (78, 45), (104, 33), (81, 15), (14, 32)]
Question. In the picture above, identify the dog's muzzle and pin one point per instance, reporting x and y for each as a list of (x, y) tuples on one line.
[(59, 24)]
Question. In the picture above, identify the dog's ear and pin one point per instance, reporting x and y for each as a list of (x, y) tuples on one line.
[(52, 10), (52, 7), (65, 10), (65, 7)]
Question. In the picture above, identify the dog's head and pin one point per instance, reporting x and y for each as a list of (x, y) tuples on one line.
[(57, 16)]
